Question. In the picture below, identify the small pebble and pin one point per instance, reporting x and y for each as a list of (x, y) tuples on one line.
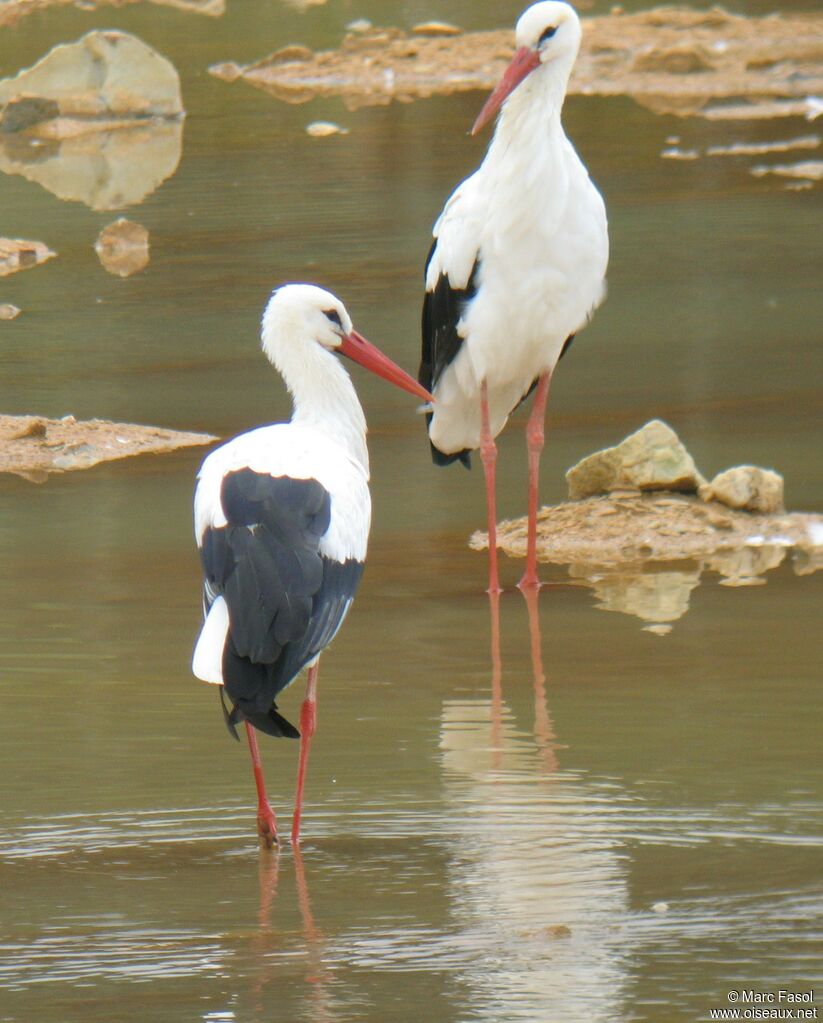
[(360, 25), (660, 907), (8, 311), (436, 28), (320, 129), (679, 154)]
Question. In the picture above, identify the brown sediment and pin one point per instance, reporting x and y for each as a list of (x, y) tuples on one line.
[(34, 446), (11, 11), (632, 528), (672, 60)]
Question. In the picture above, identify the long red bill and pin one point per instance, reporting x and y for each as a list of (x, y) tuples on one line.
[(522, 64), (356, 347)]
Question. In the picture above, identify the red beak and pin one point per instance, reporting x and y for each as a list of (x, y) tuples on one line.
[(523, 63), (356, 347)]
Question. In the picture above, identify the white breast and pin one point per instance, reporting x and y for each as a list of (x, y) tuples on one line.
[(300, 452)]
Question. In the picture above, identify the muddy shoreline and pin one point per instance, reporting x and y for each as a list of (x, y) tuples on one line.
[(672, 60), (35, 446)]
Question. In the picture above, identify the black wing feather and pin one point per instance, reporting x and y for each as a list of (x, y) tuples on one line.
[(285, 599), (442, 309)]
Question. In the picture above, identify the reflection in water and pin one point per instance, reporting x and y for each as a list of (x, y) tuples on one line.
[(106, 170), (97, 121), (534, 876), (659, 592), (657, 597), (267, 945)]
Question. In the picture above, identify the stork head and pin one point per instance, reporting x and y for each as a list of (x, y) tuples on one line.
[(305, 315), (547, 35)]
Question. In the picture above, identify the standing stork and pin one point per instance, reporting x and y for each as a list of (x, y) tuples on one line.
[(516, 268), (282, 519)]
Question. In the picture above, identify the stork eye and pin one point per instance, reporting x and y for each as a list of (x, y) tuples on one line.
[(547, 34), (334, 316)]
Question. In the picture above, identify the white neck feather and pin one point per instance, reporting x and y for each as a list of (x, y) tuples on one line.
[(324, 396), (529, 123)]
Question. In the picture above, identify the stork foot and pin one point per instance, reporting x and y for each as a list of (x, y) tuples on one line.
[(267, 826)]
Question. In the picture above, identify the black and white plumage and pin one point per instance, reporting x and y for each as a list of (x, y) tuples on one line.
[(282, 517), (285, 598), (518, 262)]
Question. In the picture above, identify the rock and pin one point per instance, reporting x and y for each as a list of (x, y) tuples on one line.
[(673, 60), (123, 247), (97, 121), (320, 129), (652, 458), (34, 446), (748, 488), (18, 254), (8, 311), (436, 28), (11, 11), (103, 74)]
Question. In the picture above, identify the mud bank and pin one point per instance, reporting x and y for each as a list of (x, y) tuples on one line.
[(33, 446), (672, 60)]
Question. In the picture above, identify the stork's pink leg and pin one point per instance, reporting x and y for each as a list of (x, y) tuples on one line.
[(266, 821), (308, 723), (488, 455), (534, 441)]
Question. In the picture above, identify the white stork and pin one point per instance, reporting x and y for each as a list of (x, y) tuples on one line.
[(516, 268), (282, 519)]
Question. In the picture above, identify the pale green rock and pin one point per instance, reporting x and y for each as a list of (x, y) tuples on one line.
[(652, 458)]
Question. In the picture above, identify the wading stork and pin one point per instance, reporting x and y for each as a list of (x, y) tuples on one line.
[(516, 269), (282, 518)]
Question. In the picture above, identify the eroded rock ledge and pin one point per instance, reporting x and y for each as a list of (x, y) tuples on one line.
[(644, 500), (33, 446), (672, 59)]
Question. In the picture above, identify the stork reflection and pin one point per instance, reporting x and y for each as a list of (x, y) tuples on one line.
[(270, 938), (544, 733), (535, 878)]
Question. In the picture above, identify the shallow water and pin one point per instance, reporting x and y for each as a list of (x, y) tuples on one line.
[(482, 841)]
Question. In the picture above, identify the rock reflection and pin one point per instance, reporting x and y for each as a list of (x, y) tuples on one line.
[(655, 596), (658, 593), (98, 121), (535, 879), (105, 170)]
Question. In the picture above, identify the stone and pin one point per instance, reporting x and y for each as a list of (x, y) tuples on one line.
[(98, 121), (18, 254), (652, 458), (747, 488), (123, 247), (103, 74), (320, 129)]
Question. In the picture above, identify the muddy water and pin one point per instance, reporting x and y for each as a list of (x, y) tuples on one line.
[(602, 825)]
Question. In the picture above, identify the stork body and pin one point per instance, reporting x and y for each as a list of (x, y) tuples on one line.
[(282, 517), (517, 265)]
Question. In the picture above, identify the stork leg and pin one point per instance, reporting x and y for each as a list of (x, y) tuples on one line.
[(266, 821), (534, 441), (308, 723), (488, 455)]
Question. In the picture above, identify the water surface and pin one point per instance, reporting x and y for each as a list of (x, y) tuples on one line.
[(606, 825)]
